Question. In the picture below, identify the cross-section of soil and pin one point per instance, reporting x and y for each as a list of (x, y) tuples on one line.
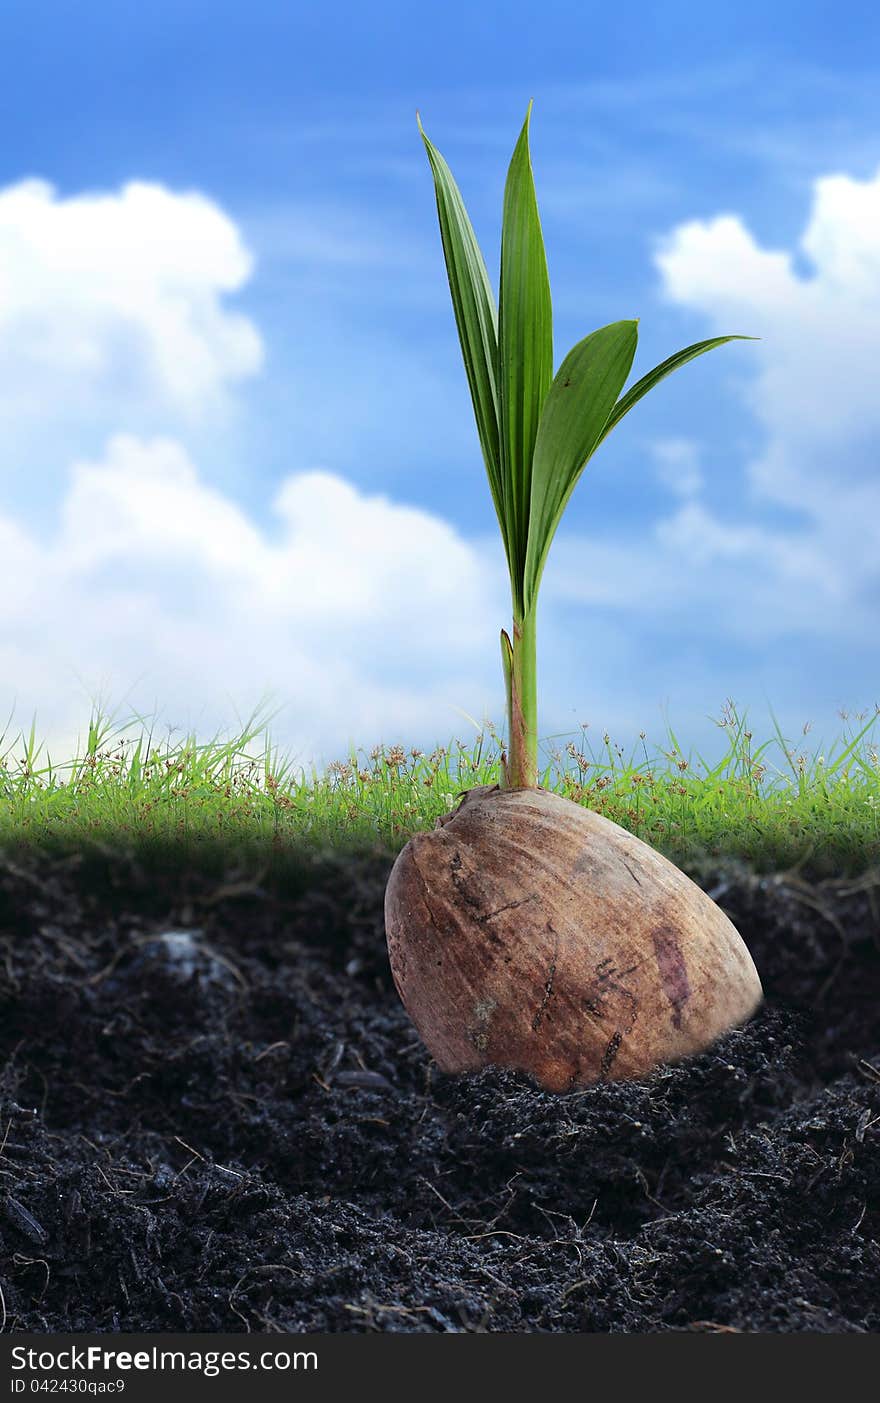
[(216, 1116)]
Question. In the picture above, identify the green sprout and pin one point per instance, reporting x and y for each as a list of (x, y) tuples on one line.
[(537, 431)]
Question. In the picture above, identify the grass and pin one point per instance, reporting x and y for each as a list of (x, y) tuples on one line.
[(775, 802)]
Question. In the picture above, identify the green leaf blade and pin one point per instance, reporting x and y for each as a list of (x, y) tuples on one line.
[(660, 372), (576, 411), (476, 319), (525, 336)]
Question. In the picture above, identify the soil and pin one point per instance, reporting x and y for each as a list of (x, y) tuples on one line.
[(217, 1117)]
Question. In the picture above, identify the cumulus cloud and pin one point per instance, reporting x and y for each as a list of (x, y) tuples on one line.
[(363, 618), (119, 296), (817, 309), (792, 561), (816, 389)]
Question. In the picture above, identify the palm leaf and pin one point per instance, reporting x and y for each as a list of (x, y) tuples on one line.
[(476, 318), (660, 372), (576, 410), (525, 338)]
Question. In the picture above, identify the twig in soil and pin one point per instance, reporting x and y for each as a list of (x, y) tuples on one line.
[(37, 1073), (270, 1266), (236, 1173), (567, 1218), (190, 1149), (502, 1285), (490, 1225), (846, 886), (71, 952), (22, 874), (112, 1187), (22, 1261), (496, 1232), (642, 1181), (457, 1216), (233, 889), (576, 1286), (101, 974), (754, 1174), (273, 1047), (390, 1310), (204, 1252), (227, 964), (243, 1318)]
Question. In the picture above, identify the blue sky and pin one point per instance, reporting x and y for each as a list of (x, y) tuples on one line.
[(237, 449)]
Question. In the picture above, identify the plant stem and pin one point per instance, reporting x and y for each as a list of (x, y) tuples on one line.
[(522, 720)]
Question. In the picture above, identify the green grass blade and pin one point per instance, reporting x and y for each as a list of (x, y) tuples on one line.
[(660, 372), (784, 745), (525, 335), (476, 317), (575, 413), (850, 750)]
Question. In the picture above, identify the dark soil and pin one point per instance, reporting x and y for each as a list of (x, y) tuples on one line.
[(216, 1116)]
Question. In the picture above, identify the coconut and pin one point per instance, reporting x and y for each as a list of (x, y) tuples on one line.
[(530, 933)]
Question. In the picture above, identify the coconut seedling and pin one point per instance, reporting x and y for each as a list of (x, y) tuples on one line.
[(526, 931)]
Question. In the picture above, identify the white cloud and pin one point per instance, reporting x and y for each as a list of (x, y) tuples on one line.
[(364, 618), (694, 575), (751, 574), (678, 465), (361, 617), (816, 387), (816, 569), (119, 296)]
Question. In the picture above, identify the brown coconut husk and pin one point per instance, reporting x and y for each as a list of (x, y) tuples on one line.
[(530, 933)]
